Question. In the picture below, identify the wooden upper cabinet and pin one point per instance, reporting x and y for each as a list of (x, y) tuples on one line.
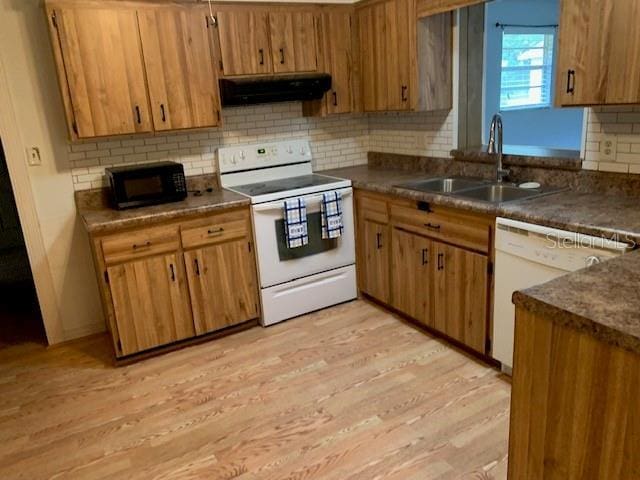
[(461, 294), (150, 303), (339, 59), (183, 84), (293, 41), (244, 41), (598, 53), (405, 62), (101, 71)]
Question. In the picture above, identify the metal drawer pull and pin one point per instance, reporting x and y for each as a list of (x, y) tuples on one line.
[(173, 272), (137, 246), (197, 266), (335, 99), (282, 56), (571, 75), (404, 91), (163, 113), (432, 226), (425, 258), (218, 231), (261, 53), (378, 240), (441, 261)]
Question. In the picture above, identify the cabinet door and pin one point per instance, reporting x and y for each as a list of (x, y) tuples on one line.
[(375, 252), (460, 300), (398, 53), (222, 284), (583, 51), (150, 302), (623, 81), (411, 275), (183, 86), (338, 52), (244, 41), (103, 70), (293, 41), (385, 53)]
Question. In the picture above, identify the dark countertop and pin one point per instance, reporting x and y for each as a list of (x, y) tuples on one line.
[(98, 217), (603, 300)]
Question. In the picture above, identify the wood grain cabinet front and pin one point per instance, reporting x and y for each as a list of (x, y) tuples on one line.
[(293, 41), (150, 303), (598, 53), (175, 281), (126, 67), (222, 285)]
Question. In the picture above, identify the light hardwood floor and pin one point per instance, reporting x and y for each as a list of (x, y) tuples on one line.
[(346, 393)]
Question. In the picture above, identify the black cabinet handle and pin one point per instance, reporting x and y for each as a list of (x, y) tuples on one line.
[(432, 226), (173, 272), (138, 116), (137, 246), (282, 56), (425, 256), (261, 53), (441, 261), (404, 93), (571, 81), (163, 113), (217, 231), (378, 240), (197, 265), (335, 99)]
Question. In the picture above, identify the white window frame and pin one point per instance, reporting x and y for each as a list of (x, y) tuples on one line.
[(523, 31)]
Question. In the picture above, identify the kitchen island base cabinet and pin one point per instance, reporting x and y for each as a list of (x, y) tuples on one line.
[(150, 302), (222, 283), (575, 404)]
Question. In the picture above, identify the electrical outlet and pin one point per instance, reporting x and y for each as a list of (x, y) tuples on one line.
[(608, 147), (33, 156)]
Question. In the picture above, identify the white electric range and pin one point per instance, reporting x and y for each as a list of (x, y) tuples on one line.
[(293, 281)]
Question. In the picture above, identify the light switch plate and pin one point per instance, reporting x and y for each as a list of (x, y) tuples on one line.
[(33, 156), (608, 147)]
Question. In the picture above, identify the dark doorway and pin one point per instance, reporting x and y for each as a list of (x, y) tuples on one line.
[(20, 318)]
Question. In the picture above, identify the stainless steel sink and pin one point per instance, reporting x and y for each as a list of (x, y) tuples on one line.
[(443, 185), (500, 193)]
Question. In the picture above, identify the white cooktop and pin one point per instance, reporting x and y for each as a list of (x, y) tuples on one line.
[(271, 171)]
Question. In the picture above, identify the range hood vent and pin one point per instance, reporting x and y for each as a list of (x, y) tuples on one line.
[(273, 88)]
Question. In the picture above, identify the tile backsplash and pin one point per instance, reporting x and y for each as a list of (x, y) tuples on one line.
[(335, 141), (338, 141), (619, 125)]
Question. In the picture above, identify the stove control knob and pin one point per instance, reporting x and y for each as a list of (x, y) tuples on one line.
[(289, 150), (242, 155)]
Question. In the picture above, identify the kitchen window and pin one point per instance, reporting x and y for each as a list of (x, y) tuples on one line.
[(526, 69)]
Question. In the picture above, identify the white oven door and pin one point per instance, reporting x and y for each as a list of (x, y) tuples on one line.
[(278, 264)]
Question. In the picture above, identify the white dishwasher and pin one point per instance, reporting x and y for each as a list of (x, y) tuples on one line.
[(528, 255)]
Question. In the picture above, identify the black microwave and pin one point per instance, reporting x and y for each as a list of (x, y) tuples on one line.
[(149, 184)]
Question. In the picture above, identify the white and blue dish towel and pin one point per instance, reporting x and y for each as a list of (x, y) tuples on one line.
[(295, 223), (331, 213)]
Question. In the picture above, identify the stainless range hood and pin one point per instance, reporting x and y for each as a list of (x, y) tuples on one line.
[(273, 88)]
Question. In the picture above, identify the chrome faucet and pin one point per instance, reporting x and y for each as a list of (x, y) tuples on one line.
[(493, 149)]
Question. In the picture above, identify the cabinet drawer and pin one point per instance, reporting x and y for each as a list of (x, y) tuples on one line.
[(216, 229), (137, 244), (458, 228), (373, 209)]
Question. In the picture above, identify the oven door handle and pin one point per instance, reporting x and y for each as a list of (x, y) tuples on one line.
[(277, 205)]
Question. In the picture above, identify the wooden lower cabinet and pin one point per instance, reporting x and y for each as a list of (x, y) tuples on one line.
[(151, 302), (375, 255), (432, 264), (412, 276), (460, 295), (222, 285), (161, 284)]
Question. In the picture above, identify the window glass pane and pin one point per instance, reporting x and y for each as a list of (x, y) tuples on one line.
[(527, 70)]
